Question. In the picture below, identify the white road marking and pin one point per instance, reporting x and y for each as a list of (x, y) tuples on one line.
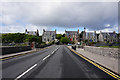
[(50, 54), (34, 66), (46, 57), (53, 52), (26, 72)]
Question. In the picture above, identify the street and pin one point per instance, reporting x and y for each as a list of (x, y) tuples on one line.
[(55, 62)]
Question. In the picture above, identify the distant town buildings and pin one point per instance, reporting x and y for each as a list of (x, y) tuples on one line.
[(107, 36), (72, 35), (91, 36), (36, 33), (75, 36), (118, 37), (48, 36), (100, 37)]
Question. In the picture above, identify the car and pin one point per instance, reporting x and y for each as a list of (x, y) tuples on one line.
[(69, 44)]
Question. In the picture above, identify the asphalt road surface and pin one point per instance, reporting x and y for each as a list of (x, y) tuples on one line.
[(55, 62)]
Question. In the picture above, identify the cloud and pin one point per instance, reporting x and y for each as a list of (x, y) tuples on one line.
[(16, 29), (92, 15), (60, 0), (111, 29)]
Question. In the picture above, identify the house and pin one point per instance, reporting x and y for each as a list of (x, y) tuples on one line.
[(91, 36), (118, 37), (48, 36), (72, 35), (108, 36), (113, 37), (36, 33)]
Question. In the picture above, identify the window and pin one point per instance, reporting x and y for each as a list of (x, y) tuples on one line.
[(53, 38)]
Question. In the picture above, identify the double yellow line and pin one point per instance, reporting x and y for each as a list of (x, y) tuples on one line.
[(17, 55), (116, 76)]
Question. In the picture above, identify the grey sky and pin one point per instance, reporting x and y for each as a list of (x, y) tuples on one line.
[(92, 15)]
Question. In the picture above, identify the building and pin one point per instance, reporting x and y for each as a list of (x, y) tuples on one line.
[(36, 33), (48, 36), (72, 35), (91, 36), (118, 37), (107, 36)]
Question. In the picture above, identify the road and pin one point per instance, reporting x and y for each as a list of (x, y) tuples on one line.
[(55, 62)]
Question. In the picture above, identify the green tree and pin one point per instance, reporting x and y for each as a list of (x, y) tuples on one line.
[(63, 35), (32, 38), (72, 42), (20, 37), (13, 37), (58, 36), (65, 40)]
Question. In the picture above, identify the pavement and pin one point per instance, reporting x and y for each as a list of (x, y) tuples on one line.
[(13, 54), (107, 62), (22, 53), (54, 62)]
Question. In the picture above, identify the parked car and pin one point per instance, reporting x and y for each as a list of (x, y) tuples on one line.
[(69, 44)]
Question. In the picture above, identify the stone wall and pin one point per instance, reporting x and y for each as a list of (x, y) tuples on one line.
[(109, 52), (9, 50)]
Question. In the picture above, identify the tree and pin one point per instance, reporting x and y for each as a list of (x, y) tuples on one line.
[(20, 38), (65, 40), (63, 35), (32, 38), (13, 37), (72, 42), (58, 36)]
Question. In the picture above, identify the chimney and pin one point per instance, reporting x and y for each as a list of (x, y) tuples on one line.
[(25, 30), (43, 30), (65, 31), (37, 32), (95, 32), (78, 30), (55, 30), (84, 28)]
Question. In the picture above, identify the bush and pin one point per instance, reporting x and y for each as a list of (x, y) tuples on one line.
[(20, 38), (65, 40)]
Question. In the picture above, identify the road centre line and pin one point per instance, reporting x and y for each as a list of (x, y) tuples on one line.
[(26, 72), (53, 52), (46, 57), (50, 54), (32, 67)]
